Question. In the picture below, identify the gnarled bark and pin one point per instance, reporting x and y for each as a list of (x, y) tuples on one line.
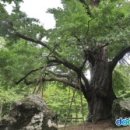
[(101, 95)]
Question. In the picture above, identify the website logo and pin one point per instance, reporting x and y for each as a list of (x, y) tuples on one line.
[(123, 122)]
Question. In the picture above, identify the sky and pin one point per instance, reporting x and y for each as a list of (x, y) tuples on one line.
[(38, 9)]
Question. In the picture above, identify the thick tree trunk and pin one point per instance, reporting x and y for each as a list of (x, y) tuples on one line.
[(101, 94)]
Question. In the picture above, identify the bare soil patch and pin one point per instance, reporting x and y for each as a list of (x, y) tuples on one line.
[(102, 125)]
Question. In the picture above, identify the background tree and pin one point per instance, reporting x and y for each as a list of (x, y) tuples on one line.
[(89, 35)]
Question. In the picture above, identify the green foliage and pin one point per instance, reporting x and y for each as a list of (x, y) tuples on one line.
[(18, 21), (17, 60), (11, 94), (59, 99), (121, 82), (112, 25), (70, 21), (109, 23), (8, 95)]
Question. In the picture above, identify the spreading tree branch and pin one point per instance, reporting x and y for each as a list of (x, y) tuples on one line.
[(119, 56), (65, 62), (83, 64), (63, 80), (86, 7), (58, 59), (64, 75), (29, 73), (51, 79), (17, 34)]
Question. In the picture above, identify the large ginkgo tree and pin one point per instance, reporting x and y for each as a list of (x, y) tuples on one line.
[(90, 35)]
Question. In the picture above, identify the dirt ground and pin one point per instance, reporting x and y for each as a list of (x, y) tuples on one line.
[(102, 125)]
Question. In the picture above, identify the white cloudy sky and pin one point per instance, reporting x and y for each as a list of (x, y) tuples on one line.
[(38, 8)]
